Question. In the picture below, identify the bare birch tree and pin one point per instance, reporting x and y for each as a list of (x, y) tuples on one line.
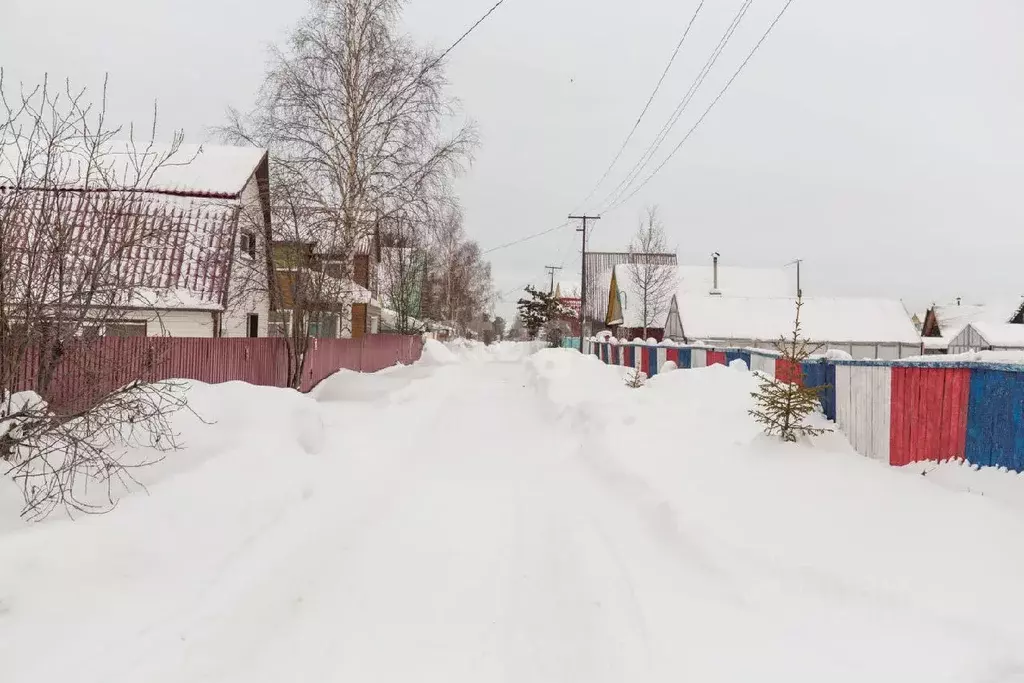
[(352, 113), (652, 285), (79, 235)]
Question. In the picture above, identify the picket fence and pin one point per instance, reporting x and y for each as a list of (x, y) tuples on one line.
[(897, 412), (91, 369)]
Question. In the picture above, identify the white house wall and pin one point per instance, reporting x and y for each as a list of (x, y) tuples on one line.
[(174, 323), (247, 290)]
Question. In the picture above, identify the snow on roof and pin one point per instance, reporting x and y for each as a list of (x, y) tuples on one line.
[(1003, 335), (177, 245), (736, 281), (822, 319), (194, 170), (935, 343), (952, 318), (661, 284)]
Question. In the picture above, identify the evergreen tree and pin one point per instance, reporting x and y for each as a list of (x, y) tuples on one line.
[(782, 406), (539, 309)]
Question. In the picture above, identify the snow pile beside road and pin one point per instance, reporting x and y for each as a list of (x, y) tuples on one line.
[(994, 483), (814, 562)]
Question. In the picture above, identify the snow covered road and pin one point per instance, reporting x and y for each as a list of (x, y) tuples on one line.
[(505, 518)]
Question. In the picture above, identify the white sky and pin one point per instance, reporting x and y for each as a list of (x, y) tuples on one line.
[(879, 140)]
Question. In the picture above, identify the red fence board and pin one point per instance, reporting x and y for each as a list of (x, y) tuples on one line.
[(928, 414), (716, 358), (789, 372), (91, 369), (672, 354)]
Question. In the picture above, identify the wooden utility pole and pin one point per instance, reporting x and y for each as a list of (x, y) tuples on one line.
[(552, 269), (583, 272)]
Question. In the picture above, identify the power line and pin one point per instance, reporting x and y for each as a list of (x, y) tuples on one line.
[(526, 239), (465, 35), (647, 106), (706, 111), (680, 109)]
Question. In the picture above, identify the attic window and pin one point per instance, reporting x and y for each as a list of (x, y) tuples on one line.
[(247, 244)]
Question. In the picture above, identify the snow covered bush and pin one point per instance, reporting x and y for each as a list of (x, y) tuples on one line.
[(77, 461), (782, 406)]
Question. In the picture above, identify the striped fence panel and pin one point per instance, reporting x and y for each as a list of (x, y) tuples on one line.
[(894, 412), (863, 399), (928, 414), (732, 355), (995, 423), (715, 357), (762, 363)]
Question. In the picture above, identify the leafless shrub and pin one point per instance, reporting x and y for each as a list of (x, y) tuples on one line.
[(79, 234)]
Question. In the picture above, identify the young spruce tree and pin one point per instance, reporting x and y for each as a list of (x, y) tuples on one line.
[(782, 405)]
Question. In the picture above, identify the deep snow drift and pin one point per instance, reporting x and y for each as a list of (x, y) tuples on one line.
[(491, 515)]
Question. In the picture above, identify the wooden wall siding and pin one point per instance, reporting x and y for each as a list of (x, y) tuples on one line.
[(91, 369), (863, 396), (698, 358), (995, 424), (685, 358), (928, 414), (358, 320), (716, 358), (661, 355)]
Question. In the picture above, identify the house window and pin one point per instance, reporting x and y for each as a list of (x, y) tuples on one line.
[(247, 244), (324, 326), (125, 329), (253, 324), (277, 325)]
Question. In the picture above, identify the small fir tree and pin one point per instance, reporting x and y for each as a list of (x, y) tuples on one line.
[(782, 404), (539, 309)]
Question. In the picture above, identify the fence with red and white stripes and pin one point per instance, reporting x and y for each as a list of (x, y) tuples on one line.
[(898, 412)]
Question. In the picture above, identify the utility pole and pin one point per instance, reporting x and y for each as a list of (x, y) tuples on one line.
[(583, 271), (552, 269), (799, 292)]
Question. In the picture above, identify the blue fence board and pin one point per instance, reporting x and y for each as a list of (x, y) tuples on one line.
[(685, 359), (828, 396), (995, 420), (744, 356), (652, 360)]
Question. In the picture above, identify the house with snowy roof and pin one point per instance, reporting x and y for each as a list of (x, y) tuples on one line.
[(943, 323), (600, 266), (754, 307), (171, 251), (311, 278)]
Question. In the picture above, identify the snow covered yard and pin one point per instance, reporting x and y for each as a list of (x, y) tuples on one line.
[(488, 514)]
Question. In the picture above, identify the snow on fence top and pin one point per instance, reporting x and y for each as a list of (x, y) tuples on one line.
[(822, 319)]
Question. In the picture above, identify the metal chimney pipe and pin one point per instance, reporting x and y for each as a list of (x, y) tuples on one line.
[(714, 268)]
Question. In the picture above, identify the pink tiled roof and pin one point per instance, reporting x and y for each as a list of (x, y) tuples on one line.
[(134, 241)]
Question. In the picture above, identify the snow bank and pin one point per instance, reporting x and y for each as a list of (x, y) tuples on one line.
[(817, 563), (436, 353), (996, 484)]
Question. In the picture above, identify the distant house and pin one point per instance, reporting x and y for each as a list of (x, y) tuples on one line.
[(754, 307), (335, 306), (401, 273), (600, 266), (639, 294), (192, 276), (942, 323), (567, 293), (985, 336)]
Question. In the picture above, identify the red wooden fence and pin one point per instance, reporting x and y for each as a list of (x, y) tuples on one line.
[(90, 369)]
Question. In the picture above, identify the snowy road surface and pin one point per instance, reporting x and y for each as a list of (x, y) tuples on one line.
[(505, 518)]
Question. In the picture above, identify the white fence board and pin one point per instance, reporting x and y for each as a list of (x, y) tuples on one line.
[(699, 358)]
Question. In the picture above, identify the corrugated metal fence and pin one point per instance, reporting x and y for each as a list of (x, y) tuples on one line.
[(90, 369), (894, 411)]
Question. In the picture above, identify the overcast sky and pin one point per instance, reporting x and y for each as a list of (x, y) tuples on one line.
[(882, 141)]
